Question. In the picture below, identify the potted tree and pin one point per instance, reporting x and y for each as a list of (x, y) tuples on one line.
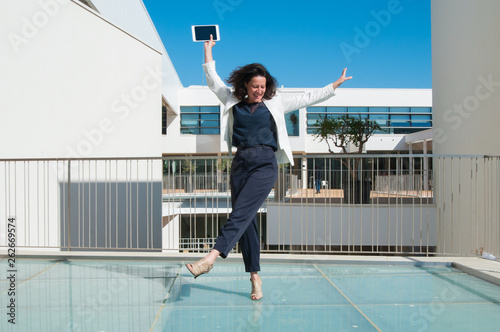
[(341, 132)]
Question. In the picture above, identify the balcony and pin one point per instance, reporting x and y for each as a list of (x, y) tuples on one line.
[(367, 204)]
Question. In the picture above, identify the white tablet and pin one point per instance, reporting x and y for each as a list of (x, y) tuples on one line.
[(202, 33)]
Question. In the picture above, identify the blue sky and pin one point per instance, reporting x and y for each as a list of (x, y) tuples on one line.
[(383, 43)]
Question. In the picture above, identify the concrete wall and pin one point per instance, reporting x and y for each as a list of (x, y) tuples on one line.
[(75, 85), (344, 225), (466, 101), (132, 16), (466, 76)]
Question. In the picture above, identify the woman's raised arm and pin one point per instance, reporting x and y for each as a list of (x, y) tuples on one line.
[(214, 82), (208, 49)]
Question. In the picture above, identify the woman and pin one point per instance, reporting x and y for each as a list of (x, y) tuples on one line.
[(253, 121)]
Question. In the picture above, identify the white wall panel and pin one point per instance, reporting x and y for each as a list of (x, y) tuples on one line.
[(77, 86)]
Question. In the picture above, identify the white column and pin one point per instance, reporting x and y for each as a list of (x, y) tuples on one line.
[(410, 173), (426, 171), (304, 173)]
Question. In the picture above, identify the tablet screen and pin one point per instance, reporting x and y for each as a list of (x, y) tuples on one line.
[(203, 32)]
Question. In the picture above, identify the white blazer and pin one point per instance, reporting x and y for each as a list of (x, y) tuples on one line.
[(278, 106)]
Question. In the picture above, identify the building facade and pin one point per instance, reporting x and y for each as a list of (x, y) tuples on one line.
[(398, 112), (92, 92)]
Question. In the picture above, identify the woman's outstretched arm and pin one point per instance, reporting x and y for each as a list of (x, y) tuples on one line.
[(208, 49), (315, 96)]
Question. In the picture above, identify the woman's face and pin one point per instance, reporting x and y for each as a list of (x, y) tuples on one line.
[(256, 89)]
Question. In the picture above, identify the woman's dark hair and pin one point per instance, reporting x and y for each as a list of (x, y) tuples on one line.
[(242, 75)]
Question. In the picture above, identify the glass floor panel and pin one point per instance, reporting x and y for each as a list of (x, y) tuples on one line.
[(84, 295)]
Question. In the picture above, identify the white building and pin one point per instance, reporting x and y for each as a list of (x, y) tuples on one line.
[(397, 111), (82, 80), (86, 81)]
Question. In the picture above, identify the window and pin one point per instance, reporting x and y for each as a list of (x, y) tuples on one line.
[(381, 119), (421, 110), (392, 120), (379, 110), (400, 120), (336, 109), (200, 120), (357, 110), (163, 120), (316, 113), (292, 123), (421, 120), (313, 115), (403, 110)]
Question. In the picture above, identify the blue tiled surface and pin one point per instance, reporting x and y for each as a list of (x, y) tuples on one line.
[(81, 295)]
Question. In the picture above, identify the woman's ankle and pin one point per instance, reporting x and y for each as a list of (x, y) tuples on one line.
[(212, 256), (254, 276)]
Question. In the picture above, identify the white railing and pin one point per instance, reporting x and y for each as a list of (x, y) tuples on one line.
[(354, 212), (368, 204), (82, 204), (468, 204)]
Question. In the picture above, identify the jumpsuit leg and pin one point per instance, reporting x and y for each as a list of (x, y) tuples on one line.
[(248, 242), (253, 175)]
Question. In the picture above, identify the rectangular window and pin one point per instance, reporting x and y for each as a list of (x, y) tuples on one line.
[(400, 120), (383, 110), (314, 114), (404, 110), (397, 120), (421, 120), (357, 110), (292, 123), (316, 109), (163, 120), (381, 119), (336, 109), (200, 120), (421, 110)]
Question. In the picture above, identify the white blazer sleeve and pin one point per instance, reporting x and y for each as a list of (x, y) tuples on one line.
[(307, 99), (215, 83)]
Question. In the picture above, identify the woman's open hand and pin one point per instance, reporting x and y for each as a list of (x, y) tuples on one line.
[(341, 80)]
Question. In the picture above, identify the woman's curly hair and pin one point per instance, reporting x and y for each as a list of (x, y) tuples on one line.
[(242, 75)]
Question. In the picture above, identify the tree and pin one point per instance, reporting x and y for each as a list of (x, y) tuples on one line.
[(343, 131)]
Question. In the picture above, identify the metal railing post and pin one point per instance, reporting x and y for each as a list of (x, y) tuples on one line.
[(69, 206)]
